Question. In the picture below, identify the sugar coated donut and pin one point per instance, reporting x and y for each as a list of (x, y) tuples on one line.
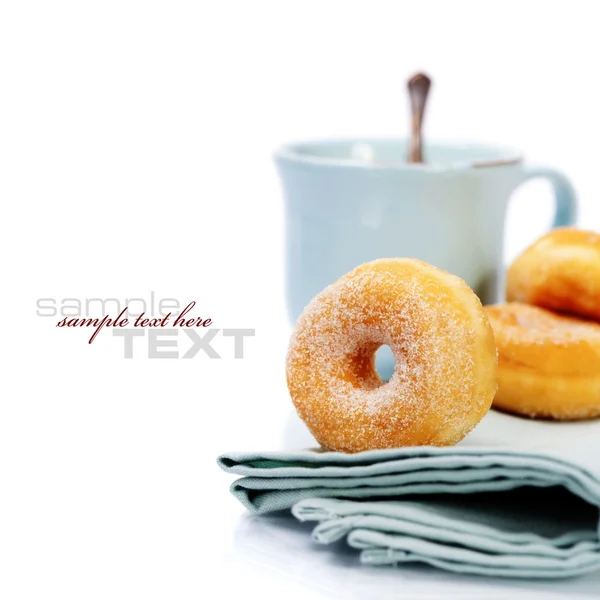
[(548, 364), (445, 373), (561, 271)]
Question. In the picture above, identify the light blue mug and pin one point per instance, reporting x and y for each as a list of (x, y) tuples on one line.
[(351, 201)]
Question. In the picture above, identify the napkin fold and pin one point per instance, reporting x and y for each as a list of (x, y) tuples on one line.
[(447, 534), (469, 509)]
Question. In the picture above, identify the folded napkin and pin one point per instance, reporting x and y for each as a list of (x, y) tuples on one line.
[(516, 499)]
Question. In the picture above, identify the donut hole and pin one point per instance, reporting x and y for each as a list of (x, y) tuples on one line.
[(385, 362)]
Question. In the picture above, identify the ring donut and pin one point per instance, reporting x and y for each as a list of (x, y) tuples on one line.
[(445, 373), (561, 271), (548, 364)]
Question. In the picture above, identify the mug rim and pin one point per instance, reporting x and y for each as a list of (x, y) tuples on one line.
[(509, 155)]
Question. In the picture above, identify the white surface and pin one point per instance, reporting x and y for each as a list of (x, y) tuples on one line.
[(135, 142)]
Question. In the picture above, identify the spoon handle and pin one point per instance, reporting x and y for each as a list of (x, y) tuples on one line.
[(418, 90)]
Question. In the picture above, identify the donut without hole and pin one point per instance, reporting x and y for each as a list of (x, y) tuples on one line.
[(561, 271), (548, 364)]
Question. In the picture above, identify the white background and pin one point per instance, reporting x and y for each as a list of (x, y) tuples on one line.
[(136, 142)]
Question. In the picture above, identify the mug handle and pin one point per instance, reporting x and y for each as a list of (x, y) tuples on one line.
[(564, 193)]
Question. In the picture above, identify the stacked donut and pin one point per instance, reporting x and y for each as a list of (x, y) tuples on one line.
[(548, 334)]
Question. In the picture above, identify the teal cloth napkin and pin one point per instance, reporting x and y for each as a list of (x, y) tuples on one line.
[(487, 510)]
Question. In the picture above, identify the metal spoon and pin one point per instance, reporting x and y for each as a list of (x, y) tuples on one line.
[(418, 90)]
